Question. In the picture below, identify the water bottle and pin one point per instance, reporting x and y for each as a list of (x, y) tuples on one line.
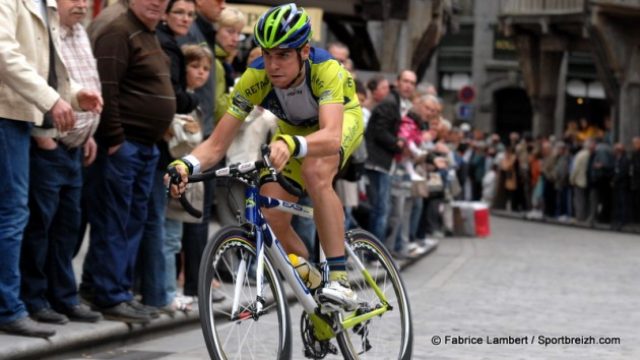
[(308, 273)]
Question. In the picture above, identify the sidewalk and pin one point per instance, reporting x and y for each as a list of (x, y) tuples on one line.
[(76, 336), (628, 229)]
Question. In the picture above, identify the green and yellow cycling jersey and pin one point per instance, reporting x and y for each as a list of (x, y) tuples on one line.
[(326, 82)]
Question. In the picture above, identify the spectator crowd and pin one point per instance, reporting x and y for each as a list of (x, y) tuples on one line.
[(147, 85)]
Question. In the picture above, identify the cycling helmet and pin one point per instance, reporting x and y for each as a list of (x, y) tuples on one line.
[(283, 27)]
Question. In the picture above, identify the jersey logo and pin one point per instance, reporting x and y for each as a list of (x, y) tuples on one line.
[(241, 103), (253, 89), (326, 95)]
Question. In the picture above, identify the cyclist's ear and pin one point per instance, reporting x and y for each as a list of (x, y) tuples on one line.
[(305, 50)]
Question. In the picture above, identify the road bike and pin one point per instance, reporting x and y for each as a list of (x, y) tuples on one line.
[(247, 264)]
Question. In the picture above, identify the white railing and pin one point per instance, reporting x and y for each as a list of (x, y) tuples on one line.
[(554, 7), (541, 7)]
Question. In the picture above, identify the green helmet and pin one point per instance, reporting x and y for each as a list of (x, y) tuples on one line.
[(283, 27)]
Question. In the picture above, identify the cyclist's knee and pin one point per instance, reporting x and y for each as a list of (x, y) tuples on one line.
[(318, 175)]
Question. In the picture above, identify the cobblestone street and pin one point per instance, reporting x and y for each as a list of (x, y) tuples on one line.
[(529, 280), (528, 283)]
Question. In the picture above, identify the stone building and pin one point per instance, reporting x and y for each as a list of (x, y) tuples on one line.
[(548, 36)]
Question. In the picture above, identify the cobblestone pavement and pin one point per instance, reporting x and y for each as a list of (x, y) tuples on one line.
[(527, 282)]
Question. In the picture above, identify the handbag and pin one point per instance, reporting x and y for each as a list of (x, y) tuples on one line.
[(420, 188), (185, 134), (435, 183)]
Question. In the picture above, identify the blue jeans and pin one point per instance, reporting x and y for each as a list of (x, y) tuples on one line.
[(50, 238), (379, 193), (120, 187), (14, 213), (172, 246), (151, 267), (416, 216), (194, 240), (306, 228)]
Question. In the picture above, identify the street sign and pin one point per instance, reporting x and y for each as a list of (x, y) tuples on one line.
[(467, 94), (464, 111)]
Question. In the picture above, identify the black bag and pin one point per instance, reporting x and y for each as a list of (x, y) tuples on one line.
[(354, 169)]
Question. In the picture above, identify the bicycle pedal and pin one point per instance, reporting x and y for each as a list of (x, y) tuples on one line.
[(328, 306)]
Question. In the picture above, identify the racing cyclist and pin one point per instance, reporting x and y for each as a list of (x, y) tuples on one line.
[(320, 125)]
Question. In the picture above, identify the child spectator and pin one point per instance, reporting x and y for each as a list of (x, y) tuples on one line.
[(198, 60)]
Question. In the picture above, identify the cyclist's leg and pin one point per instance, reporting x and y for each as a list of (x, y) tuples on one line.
[(318, 174), (280, 221)]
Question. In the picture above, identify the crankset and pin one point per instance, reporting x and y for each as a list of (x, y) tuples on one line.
[(314, 348)]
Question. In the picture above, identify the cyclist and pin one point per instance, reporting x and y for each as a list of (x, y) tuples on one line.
[(320, 125)]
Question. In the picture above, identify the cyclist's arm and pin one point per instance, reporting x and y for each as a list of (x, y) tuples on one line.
[(212, 150), (324, 142), (207, 154)]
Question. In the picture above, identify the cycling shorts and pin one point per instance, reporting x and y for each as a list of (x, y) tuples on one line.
[(352, 134)]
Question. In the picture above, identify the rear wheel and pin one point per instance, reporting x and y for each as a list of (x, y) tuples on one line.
[(228, 268), (390, 335)]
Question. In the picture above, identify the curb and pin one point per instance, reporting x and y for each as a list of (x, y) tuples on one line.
[(76, 336), (627, 229)]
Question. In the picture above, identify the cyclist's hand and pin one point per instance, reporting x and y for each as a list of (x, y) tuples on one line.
[(279, 154), (176, 178)]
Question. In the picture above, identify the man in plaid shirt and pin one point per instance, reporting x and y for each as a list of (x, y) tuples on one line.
[(48, 282)]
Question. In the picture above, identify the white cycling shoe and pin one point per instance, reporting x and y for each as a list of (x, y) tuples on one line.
[(338, 295)]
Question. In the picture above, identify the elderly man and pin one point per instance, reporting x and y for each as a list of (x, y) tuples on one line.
[(383, 144), (139, 106), (48, 282), (34, 82)]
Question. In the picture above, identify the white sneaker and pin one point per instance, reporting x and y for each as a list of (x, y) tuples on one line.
[(338, 295), (418, 250)]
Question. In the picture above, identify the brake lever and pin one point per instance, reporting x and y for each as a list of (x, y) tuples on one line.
[(265, 150)]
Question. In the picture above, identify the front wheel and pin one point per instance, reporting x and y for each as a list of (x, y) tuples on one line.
[(390, 335), (242, 326)]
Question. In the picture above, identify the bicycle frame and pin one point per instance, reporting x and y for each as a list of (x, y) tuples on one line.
[(267, 241)]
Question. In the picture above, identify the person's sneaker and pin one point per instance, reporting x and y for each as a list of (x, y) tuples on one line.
[(27, 327), (338, 295), (124, 312), (217, 296), (81, 313), (412, 246), (48, 315), (148, 310)]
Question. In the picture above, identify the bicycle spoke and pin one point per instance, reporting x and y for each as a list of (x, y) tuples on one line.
[(247, 333), (387, 336)]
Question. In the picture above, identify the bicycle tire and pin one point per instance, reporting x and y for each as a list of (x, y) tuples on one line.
[(389, 336), (243, 336)]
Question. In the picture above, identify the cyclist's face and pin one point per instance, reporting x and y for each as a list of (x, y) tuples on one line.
[(282, 65)]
